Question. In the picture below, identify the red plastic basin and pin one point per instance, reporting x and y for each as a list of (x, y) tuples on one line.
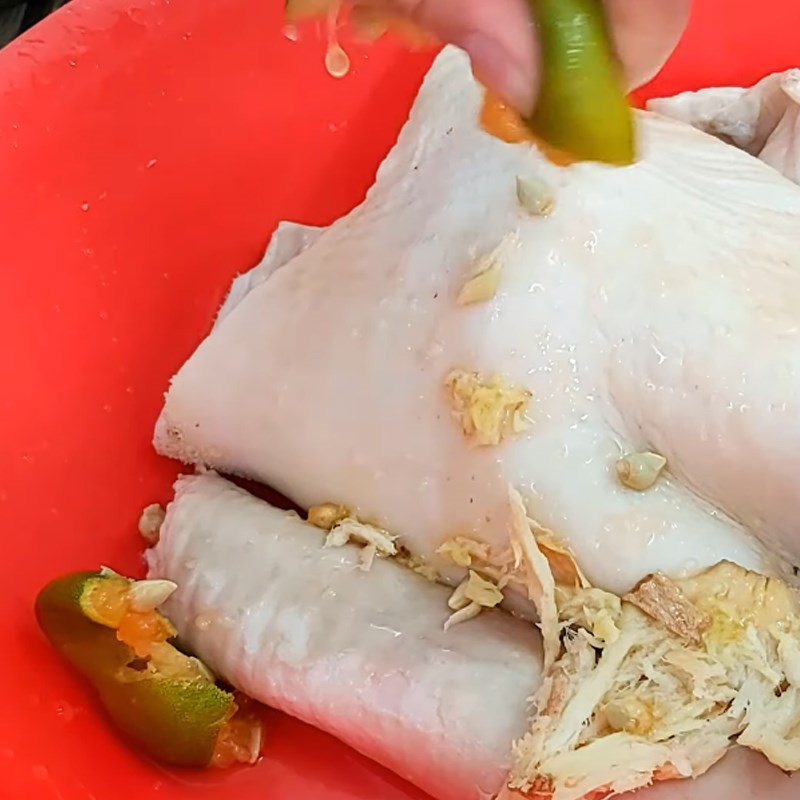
[(147, 150)]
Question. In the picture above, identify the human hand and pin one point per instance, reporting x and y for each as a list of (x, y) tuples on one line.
[(497, 36)]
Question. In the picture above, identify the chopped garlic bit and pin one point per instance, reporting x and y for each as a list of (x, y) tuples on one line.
[(488, 409), (483, 592), (255, 744), (327, 515), (461, 550), (348, 530), (630, 715), (149, 595), (640, 471), (466, 552), (659, 684), (483, 284), (534, 196), (472, 591), (563, 564), (366, 557), (107, 572), (498, 565), (150, 523), (337, 537), (416, 564), (467, 613), (481, 287), (458, 599), (476, 589), (168, 662), (594, 610)]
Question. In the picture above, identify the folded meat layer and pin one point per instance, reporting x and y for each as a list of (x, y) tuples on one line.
[(360, 654)]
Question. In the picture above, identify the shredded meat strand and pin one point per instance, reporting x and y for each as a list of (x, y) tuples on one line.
[(660, 598)]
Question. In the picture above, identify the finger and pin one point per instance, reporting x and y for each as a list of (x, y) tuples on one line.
[(645, 34), (498, 35)]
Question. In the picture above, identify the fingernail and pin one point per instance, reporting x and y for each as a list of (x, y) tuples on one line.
[(499, 71)]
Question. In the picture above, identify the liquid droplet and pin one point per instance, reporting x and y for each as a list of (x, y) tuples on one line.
[(337, 62)]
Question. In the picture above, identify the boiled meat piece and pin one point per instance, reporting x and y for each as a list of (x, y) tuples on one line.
[(278, 611), (362, 655), (653, 309), (763, 120)]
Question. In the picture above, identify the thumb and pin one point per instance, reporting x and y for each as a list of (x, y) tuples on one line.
[(645, 34)]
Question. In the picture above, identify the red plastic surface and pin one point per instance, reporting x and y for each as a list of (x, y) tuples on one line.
[(147, 150)]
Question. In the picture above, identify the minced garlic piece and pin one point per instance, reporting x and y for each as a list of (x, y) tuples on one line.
[(472, 591), (366, 557), (593, 609), (458, 599), (327, 515), (483, 592), (461, 550), (488, 409), (630, 715), (482, 286), (416, 564), (150, 594), (498, 566), (640, 471), (352, 530), (107, 572), (563, 564), (467, 613), (150, 522), (534, 196)]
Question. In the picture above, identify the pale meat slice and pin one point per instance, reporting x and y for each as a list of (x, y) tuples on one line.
[(362, 655), (638, 313), (763, 120)]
